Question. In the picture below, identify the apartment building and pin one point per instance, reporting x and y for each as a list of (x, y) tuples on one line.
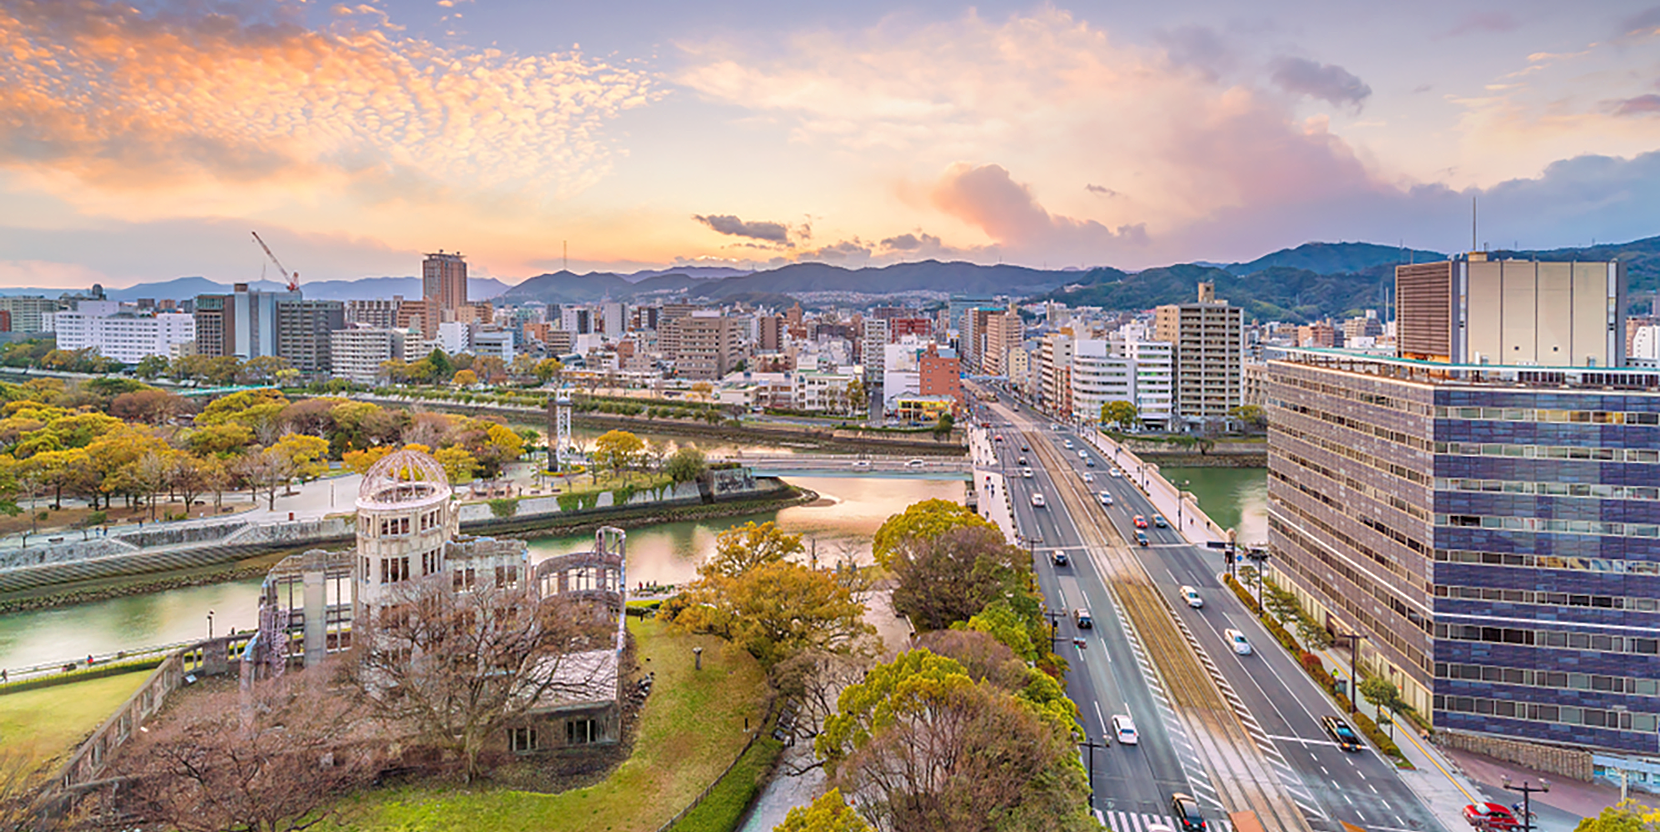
[(444, 280), (1209, 353), (1126, 370), (709, 345), (30, 314), (357, 354), (1054, 372), (376, 314), (103, 327), (1004, 332), (303, 333), (939, 373), (873, 345)]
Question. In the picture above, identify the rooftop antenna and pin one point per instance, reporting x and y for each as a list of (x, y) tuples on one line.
[(567, 257), (1472, 223)]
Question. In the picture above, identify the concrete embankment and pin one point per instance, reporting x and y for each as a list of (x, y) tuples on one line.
[(160, 559), (1220, 455)]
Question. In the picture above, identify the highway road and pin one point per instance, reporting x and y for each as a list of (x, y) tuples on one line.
[(1276, 702)]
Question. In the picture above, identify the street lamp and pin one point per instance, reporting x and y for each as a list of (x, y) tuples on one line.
[(1092, 745), (1181, 502), (1527, 789), (1354, 639), (210, 625), (1054, 627)]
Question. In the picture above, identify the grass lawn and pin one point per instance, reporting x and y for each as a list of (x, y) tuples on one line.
[(691, 728), (55, 719), (584, 483)]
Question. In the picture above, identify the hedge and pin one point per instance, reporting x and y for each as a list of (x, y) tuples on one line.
[(97, 671)]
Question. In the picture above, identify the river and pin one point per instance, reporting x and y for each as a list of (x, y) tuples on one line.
[(1235, 498), (838, 525)]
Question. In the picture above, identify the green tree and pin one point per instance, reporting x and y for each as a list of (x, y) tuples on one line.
[(686, 464), (1384, 696), (955, 575), (919, 523), (1251, 416), (776, 610), (618, 450), (943, 428), (829, 813), (151, 367), (1119, 414), (440, 364), (742, 548)]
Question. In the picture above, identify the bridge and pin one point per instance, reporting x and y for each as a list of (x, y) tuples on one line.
[(847, 465)]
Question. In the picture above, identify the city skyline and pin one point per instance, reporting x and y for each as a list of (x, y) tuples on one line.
[(140, 144)]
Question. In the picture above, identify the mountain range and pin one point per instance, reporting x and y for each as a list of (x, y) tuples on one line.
[(1309, 281)]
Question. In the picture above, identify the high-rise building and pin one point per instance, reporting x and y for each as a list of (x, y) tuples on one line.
[(1119, 370), (357, 354), (1512, 312), (211, 325), (709, 345), (1490, 531), (874, 342), (379, 313), (1004, 332), (303, 330), (1209, 341), (1054, 370), (243, 323), (30, 314), (769, 336), (444, 279), (102, 326)]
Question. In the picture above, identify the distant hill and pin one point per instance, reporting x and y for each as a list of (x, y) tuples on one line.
[(1334, 258), (695, 272), (1273, 294), (569, 287)]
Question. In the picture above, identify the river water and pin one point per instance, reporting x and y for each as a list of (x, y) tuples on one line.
[(839, 525)]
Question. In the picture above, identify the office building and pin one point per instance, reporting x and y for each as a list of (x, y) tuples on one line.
[(444, 279), (211, 325), (1512, 312), (940, 374), (377, 314), (709, 345), (577, 320), (357, 354), (1119, 370), (1209, 340), (1491, 532), (494, 342), (303, 333), (769, 335), (30, 314), (125, 336)]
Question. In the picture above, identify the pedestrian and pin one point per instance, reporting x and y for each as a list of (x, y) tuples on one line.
[(89, 660), (3, 678)]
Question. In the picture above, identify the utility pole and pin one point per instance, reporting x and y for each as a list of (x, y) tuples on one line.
[(1527, 789), (1354, 678), (1092, 745)]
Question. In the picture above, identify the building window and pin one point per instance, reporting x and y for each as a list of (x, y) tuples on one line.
[(581, 731), (522, 740)]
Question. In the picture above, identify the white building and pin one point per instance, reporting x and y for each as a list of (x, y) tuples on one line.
[(611, 318), (873, 348), (819, 391), (358, 353), (101, 326), (1138, 372), (455, 337), (496, 342)]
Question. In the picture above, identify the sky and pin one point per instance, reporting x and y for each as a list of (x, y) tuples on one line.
[(143, 140)]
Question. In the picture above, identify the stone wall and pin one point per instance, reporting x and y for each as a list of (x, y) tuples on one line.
[(1565, 762)]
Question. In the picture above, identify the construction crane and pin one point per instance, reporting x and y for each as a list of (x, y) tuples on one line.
[(293, 277)]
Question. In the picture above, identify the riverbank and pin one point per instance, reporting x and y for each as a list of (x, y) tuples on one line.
[(530, 527)]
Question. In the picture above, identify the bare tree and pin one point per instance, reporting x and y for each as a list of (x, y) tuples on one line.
[(814, 681), (457, 665), (264, 471), (276, 760), (23, 778)]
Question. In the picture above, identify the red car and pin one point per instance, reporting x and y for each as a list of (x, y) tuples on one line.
[(1490, 816), (1140, 522)]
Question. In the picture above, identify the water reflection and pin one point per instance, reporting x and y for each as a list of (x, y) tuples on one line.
[(1233, 497), (837, 526)]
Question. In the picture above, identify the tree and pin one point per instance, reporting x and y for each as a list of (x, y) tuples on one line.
[(829, 813), (500, 445), (703, 390), (1384, 696), (942, 428), (152, 406), (776, 610), (618, 450), (459, 666), (220, 440), (306, 457), (465, 378), (1119, 414), (919, 745), (277, 763), (151, 367), (953, 576), (742, 548), (686, 464), (459, 465), (361, 461), (490, 368), (548, 369), (858, 398), (1250, 416), (920, 523), (264, 471), (657, 452), (439, 364), (265, 367), (1627, 817)]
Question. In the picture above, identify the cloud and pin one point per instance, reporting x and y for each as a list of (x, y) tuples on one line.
[(1200, 47), (1008, 212), (1329, 82), (1479, 22), (1644, 24), (1641, 105), (911, 242), (148, 106), (772, 232), (1100, 189)]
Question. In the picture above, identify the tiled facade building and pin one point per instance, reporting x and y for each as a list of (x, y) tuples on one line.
[(1493, 533)]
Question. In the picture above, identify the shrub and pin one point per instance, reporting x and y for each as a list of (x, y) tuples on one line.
[(569, 502), (1313, 665), (503, 507)]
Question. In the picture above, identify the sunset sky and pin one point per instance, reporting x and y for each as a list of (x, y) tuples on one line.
[(141, 141)]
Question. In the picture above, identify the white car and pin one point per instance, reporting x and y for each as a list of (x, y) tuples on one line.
[(1115, 473), (861, 463), (1083, 454), (1191, 596), (1105, 498), (1069, 444), (1088, 477), (914, 463), (1123, 729), (1238, 641), (1026, 472), (1037, 500)]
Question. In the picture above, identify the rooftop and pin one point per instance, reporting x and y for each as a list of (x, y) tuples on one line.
[(1638, 379)]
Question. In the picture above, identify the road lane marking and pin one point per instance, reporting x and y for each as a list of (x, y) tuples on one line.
[(1098, 717)]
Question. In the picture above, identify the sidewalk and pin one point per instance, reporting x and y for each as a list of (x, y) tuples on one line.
[(1570, 797), (991, 490), (1197, 527), (1438, 781)]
